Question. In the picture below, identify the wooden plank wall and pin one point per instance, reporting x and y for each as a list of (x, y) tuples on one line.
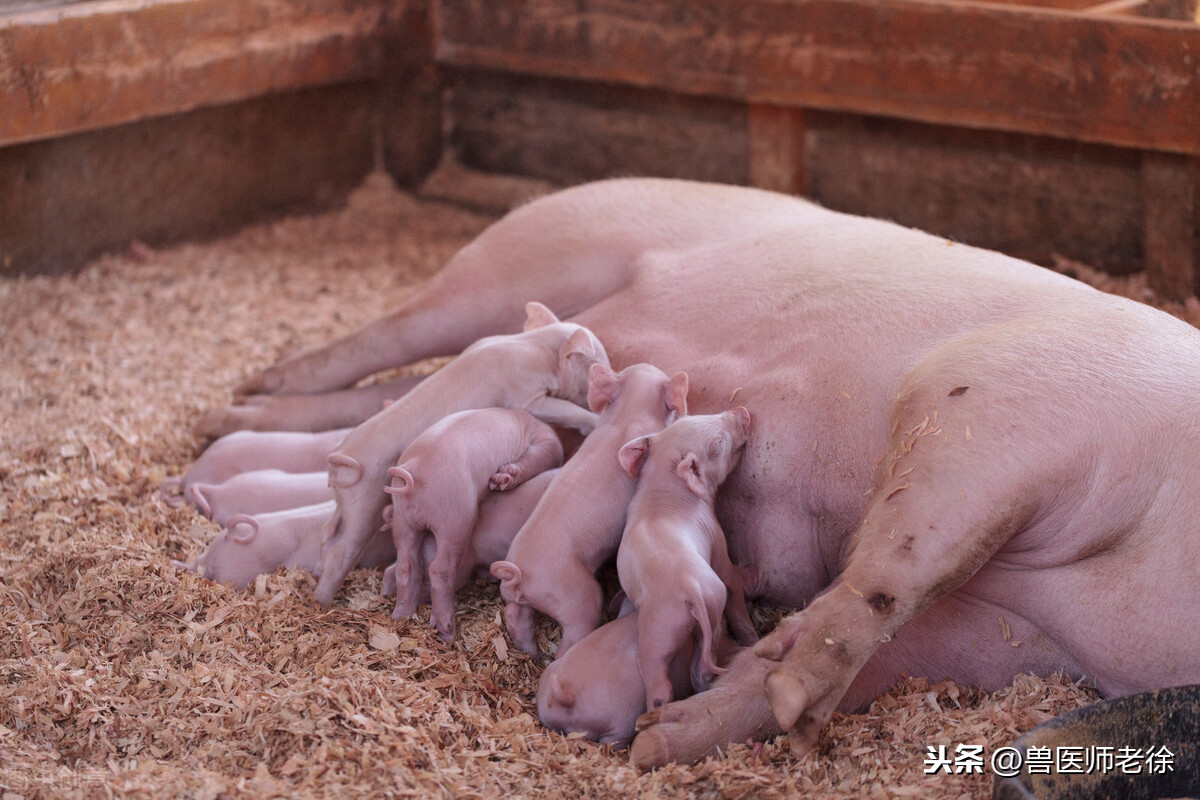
[(1036, 130), (1037, 127), (123, 119)]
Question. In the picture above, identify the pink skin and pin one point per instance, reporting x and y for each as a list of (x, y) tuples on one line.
[(543, 370), (249, 546), (247, 451), (944, 436), (551, 566), (436, 489), (673, 560), (260, 492), (501, 515), (595, 688)]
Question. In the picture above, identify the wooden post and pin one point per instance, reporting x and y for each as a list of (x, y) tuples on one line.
[(776, 145), (1171, 233)]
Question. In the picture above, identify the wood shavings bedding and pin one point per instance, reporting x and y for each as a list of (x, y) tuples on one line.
[(121, 676)]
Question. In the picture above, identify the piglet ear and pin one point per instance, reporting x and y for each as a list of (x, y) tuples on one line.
[(633, 455), (743, 416), (538, 316), (581, 347), (691, 471), (603, 387), (675, 394)]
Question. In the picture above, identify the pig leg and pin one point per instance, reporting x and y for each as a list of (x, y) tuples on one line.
[(409, 574), (579, 607), (733, 710), (480, 292), (452, 541), (304, 412), (544, 452), (664, 629), (735, 606)]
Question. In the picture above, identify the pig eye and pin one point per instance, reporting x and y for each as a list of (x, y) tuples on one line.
[(715, 448)]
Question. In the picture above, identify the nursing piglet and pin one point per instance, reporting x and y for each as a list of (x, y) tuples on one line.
[(251, 546), (596, 689), (259, 492), (542, 370), (436, 488), (576, 527), (673, 561), (501, 515), (247, 451)]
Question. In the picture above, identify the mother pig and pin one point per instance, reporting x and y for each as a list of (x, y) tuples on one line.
[(963, 465)]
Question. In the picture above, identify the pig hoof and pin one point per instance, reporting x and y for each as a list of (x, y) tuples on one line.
[(171, 492), (787, 696), (775, 645), (505, 478)]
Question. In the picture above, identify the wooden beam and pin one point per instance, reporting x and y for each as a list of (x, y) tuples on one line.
[(1171, 232), (776, 144), (92, 65), (1111, 80)]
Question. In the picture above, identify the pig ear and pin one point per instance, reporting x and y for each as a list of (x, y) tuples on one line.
[(633, 455), (691, 471), (538, 316), (676, 393), (580, 346), (603, 386)]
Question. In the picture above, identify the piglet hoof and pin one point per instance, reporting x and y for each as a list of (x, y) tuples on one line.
[(445, 631), (184, 567), (505, 478), (171, 492)]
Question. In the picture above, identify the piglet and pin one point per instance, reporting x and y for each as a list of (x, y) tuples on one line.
[(576, 527), (673, 561), (595, 688), (251, 546), (501, 515), (436, 488), (542, 370), (247, 451), (260, 491)]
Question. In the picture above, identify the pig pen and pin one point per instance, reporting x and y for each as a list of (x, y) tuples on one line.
[(120, 676)]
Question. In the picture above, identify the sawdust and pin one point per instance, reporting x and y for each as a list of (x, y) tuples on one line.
[(120, 676)]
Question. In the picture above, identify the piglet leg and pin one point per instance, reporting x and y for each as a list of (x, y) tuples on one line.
[(544, 452), (452, 543)]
